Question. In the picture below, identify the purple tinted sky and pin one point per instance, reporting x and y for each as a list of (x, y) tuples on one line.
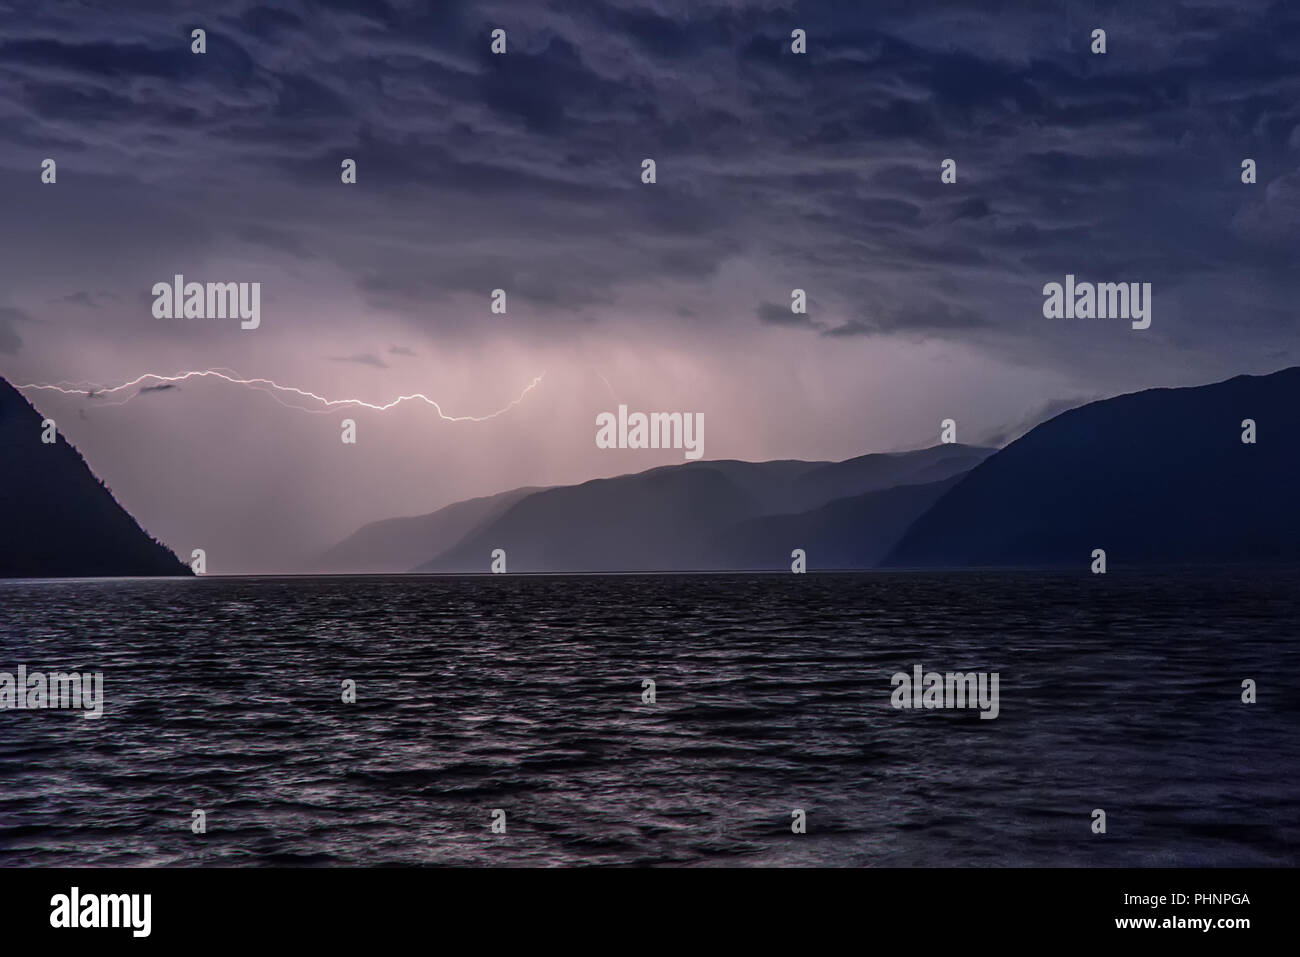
[(522, 172)]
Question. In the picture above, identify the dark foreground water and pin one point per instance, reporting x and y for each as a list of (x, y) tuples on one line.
[(1120, 692)]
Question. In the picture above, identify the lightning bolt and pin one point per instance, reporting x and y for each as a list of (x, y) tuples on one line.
[(608, 386), (271, 388)]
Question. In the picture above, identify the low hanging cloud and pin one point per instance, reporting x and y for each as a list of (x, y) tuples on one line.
[(778, 315), (10, 341), (1006, 434), (362, 358)]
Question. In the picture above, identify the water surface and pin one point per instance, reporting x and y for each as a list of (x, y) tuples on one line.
[(1120, 692)]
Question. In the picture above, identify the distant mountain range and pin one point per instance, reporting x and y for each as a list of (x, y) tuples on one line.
[(56, 518), (1154, 477), (690, 517), (396, 545)]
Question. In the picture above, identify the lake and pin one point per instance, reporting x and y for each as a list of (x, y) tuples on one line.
[(1120, 692)]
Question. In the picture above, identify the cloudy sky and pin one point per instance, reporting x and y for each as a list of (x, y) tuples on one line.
[(523, 172)]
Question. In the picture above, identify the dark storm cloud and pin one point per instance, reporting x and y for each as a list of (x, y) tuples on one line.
[(779, 315), (936, 317), (85, 298), (97, 59), (363, 358), (272, 237), (10, 341), (521, 171), (1048, 410)]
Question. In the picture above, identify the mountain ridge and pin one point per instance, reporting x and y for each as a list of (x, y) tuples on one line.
[(593, 526), (1159, 476), (57, 518)]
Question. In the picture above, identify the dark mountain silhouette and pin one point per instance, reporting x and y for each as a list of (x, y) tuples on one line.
[(56, 518), (876, 472), (676, 518), (853, 532), (396, 545), (651, 521), (1154, 477)]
